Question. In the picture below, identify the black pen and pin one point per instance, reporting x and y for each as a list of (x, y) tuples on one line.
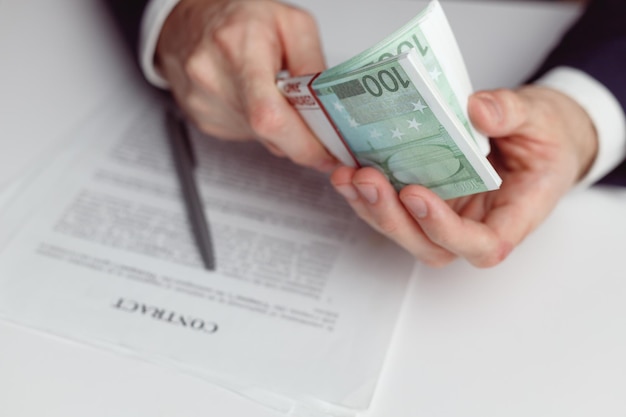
[(184, 161)]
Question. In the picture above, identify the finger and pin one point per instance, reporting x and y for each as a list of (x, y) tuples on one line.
[(255, 59), (377, 203), (520, 124), (499, 113), (467, 238), (341, 179), (270, 115), (301, 43)]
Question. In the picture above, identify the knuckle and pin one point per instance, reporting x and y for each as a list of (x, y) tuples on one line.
[(199, 70), (514, 105), (226, 35), (303, 20), (494, 257), (265, 119), (388, 226), (440, 237), (238, 31)]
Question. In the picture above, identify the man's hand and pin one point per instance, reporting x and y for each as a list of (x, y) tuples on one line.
[(542, 144), (221, 58)]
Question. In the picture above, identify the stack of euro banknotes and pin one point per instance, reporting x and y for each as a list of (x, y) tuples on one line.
[(401, 107)]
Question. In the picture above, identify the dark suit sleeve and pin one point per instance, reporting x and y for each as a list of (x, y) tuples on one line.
[(127, 16), (596, 44)]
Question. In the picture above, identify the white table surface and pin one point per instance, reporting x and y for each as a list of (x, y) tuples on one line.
[(543, 334)]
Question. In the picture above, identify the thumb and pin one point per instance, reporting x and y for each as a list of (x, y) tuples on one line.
[(499, 113)]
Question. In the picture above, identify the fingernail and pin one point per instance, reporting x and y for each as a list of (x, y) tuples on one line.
[(491, 106), (347, 191), (416, 205), (368, 192)]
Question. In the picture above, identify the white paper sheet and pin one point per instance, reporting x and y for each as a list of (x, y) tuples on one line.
[(8, 193), (299, 312)]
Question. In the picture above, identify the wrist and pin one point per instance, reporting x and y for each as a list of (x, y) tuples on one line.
[(579, 129), (602, 107)]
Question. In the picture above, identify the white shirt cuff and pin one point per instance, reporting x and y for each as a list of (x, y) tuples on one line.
[(605, 112), (152, 22)]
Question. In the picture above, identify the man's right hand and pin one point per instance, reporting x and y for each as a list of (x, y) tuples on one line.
[(221, 58)]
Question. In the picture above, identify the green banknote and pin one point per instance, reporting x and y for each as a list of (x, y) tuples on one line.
[(423, 33), (391, 118), (400, 106)]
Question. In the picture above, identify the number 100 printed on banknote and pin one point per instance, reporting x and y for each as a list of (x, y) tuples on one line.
[(400, 106)]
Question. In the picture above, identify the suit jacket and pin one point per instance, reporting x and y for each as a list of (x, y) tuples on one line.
[(127, 15), (595, 44)]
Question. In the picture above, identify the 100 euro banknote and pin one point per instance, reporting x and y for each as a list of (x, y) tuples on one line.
[(400, 106)]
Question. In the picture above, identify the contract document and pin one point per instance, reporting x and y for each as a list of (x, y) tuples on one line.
[(299, 312)]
